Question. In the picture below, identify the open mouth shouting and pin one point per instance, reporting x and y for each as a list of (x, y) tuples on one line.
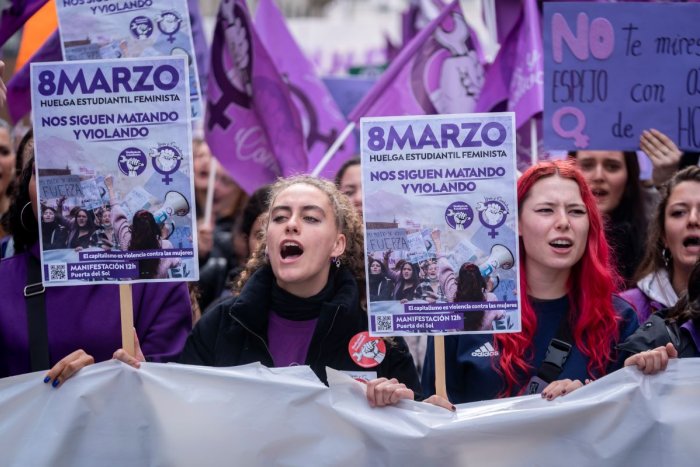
[(692, 243), (561, 245), (291, 250)]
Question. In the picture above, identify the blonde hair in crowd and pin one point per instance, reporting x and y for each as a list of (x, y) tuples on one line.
[(346, 220)]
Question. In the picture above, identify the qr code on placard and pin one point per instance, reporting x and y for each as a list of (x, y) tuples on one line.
[(58, 272), (384, 323)]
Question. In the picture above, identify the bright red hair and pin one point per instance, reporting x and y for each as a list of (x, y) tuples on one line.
[(592, 282)]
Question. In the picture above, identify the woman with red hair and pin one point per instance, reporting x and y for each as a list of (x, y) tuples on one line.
[(568, 301)]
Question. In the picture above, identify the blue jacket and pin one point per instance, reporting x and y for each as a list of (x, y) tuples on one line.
[(469, 358)]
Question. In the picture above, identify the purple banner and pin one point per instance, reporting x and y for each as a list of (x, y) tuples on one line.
[(19, 94), (201, 50), (517, 74), (438, 72), (252, 125), (322, 121), (614, 70)]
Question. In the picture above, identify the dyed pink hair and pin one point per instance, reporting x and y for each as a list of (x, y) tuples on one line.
[(592, 282)]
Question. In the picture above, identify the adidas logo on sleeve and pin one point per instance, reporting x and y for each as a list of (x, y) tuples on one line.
[(485, 350)]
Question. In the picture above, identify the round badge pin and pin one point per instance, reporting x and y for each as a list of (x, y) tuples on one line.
[(367, 351)]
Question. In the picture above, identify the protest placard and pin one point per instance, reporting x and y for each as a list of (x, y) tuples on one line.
[(439, 198), (615, 70), (102, 129), (130, 29)]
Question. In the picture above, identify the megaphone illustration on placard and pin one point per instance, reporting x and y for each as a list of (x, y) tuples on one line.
[(500, 257), (175, 204)]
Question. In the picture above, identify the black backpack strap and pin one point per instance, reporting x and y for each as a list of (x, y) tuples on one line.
[(557, 354), (36, 316)]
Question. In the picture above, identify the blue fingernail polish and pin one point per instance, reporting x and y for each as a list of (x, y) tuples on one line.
[(55, 382), (47, 379)]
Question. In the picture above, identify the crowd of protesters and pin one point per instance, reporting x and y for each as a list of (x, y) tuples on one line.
[(282, 279)]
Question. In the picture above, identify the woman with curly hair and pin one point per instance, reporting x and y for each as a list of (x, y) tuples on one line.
[(301, 299), (673, 246), (568, 285)]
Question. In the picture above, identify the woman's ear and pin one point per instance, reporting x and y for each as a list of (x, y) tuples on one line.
[(339, 246)]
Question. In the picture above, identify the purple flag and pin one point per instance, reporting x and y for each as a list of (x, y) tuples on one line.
[(252, 125), (438, 72), (517, 74), (19, 93), (418, 14), (201, 50), (322, 120), (15, 14)]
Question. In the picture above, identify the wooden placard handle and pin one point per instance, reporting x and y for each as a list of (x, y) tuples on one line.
[(440, 385), (126, 307)]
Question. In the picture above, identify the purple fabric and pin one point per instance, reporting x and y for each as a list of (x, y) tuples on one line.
[(508, 13), (643, 305), (15, 14), (289, 340), (437, 72), (201, 50), (87, 317), (690, 327), (252, 125), (517, 74), (19, 93), (322, 120)]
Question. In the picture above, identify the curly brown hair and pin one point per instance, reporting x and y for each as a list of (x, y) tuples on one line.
[(346, 221)]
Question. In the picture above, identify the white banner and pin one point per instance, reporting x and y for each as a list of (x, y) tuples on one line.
[(172, 415)]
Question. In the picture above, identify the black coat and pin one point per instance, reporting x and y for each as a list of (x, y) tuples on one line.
[(658, 331), (235, 333)]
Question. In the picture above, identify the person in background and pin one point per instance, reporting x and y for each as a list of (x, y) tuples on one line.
[(349, 182), (53, 232), (613, 177), (380, 286), (83, 323), (406, 287), (431, 290), (567, 284), (8, 159), (82, 228), (673, 245), (249, 232), (105, 234), (216, 254)]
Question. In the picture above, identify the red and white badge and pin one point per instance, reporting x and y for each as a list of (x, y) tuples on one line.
[(367, 351)]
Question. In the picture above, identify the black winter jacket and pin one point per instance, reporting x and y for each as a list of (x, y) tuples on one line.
[(658, 331), (235, 333)]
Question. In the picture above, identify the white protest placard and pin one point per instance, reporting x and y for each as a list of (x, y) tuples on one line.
[(440, 212), (102, 129), (111, 29)]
